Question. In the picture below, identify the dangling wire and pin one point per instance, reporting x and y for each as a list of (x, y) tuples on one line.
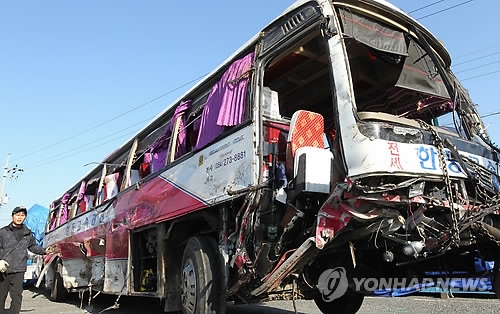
[(294, 284)]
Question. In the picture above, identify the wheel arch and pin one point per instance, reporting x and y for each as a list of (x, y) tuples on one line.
[(49, 269), (205, 222), (54, 281)]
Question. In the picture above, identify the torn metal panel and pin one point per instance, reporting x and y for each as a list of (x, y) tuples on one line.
[(115, 276)]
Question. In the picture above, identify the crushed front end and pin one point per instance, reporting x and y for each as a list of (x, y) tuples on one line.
[(420, 191)]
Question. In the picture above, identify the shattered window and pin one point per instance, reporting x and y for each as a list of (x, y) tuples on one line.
[(391, 72)]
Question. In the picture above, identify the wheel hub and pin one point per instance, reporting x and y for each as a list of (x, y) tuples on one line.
[(188, 293)]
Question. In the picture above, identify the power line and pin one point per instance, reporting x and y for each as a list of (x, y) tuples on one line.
[(446, 9), (78, 152), (482, 57), (50, 159), (474, 52), (490, 114), (481, 116), (477, 67), (424, 7), (112, 119), (470, 78)]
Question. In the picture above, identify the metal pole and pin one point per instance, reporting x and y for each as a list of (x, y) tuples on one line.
[(5, 170)]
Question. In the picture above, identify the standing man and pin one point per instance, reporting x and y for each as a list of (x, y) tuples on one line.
[(15, 241)]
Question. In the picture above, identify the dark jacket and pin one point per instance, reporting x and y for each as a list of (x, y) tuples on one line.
[(14, 246)]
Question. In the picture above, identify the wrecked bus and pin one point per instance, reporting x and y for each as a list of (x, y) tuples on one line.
[(323, 142)]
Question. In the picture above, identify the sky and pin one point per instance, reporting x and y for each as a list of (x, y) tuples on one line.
[(80, 78)]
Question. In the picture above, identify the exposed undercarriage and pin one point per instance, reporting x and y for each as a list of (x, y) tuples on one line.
[(372, 227)]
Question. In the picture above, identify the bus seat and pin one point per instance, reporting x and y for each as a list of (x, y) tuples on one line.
[(134, 177), (145, 165), (312, 170), (306, 130), (308, 163)]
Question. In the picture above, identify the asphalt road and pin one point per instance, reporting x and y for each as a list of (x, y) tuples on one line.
[(35, 301)]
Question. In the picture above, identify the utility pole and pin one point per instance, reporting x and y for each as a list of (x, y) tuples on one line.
[(7, 170)]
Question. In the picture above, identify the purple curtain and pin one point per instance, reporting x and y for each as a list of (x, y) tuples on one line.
[(180, 111), (81, 192), (159, 148), (226, 102), (159, 151), (63, 208)]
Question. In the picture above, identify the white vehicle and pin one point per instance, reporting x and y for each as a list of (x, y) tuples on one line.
[(33, 269)]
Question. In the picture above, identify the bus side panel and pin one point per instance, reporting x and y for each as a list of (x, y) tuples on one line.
[(211, 173), (88, 226), (195, 183), (115, 268), (77, 272), (80, 246), (115, 274), (96, 242)]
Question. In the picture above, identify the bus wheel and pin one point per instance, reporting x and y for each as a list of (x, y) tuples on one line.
[(58, 292), (348, 303), (200, 278)]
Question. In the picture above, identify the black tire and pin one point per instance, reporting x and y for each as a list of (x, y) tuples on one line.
[(201, 280), (348, 303), (58, 293)]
